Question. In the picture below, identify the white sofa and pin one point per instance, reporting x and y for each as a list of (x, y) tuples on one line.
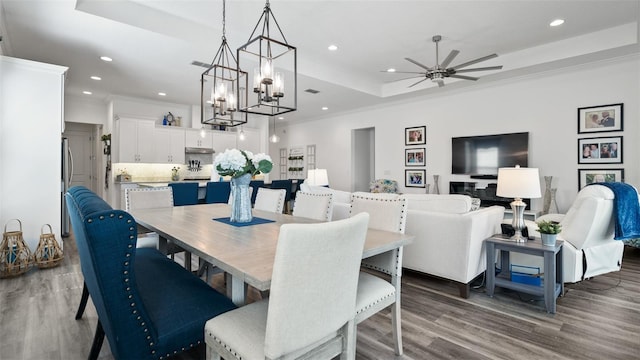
[(450, 236)]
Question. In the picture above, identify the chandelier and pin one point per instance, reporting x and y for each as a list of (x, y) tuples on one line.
[(223, 87), (274, 64)]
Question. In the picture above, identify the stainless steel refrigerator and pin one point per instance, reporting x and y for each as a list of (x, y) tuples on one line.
[(66, 175)]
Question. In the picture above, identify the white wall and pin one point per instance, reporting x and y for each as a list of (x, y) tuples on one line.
[(545, 105), (31, 111)]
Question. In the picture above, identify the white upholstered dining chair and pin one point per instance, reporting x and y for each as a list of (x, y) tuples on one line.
[(153, 198), (318, 206), (271, 200), (310, 311), (387, 212)]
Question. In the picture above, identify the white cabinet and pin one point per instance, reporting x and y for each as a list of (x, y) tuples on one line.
[(194, 138), (223, 140), (135, 140), (169, 143)]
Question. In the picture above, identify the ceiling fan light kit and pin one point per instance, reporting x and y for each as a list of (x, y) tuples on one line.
[(440, 71), (274, 63), (223, 87)]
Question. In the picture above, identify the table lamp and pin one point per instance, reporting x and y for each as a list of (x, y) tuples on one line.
[(317, 177), (518, 183)]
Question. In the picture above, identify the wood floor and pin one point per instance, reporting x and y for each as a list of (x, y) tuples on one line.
[(596, 319)]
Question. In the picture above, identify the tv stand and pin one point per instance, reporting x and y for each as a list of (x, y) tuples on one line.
[(487, 195), (484, 177)]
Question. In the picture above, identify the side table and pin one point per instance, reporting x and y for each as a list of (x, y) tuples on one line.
[(553, 285)]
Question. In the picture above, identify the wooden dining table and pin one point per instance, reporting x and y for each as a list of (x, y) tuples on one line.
[(245, 253)]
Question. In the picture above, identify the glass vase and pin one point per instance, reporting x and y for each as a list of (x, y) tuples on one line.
[(241, 199)]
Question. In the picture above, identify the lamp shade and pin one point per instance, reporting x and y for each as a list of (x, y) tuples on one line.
[(317, 177), (517, 182)]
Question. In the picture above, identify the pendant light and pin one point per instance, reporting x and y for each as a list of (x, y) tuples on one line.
[(274, 64), (223, 87), (274, 138)]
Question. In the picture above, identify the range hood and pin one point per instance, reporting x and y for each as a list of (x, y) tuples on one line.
[(196, 150)]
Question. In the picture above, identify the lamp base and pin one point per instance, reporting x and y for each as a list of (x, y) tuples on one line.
[(518, 206)]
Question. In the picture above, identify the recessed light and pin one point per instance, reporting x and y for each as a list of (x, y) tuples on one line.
[(106, 58), (556, 22), (325, 108), (162, 94), (87, 92), (391, 70), (332, 48), (280, 118), (96, 78)]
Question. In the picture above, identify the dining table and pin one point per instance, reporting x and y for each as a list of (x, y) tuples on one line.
[(245, 252)]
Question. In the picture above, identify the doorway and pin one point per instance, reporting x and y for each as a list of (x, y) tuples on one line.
[(82, 144), (362, 158)]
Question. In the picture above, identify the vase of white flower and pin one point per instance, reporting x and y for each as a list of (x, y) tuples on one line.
[(241, 166), (241, 199)]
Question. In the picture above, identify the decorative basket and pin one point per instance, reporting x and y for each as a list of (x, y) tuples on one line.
[(15, 256), (48, 253)]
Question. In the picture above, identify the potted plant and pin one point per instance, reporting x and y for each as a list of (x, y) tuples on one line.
[(549, 230)]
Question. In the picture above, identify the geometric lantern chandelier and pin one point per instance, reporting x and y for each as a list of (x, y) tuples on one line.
[(275, 69), (223, 87)]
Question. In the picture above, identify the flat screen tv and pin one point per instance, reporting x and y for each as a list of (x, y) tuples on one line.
[(481, 156)]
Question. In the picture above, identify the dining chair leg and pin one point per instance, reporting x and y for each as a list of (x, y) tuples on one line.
[(396, 325), (83, 301), (98, 338), (349, 346), (212, 354)]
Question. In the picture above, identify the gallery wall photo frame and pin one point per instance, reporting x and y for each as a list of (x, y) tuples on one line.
[(414, 157), (600, 150), (414, 178), (590, 176), (415, 135), (601, 118)]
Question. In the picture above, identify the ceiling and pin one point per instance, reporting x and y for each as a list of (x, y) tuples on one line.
[(153, 43)]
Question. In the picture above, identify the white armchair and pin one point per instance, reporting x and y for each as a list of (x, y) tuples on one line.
[(587, 230)]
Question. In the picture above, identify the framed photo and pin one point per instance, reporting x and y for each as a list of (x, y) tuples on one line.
[(590, 176), (601, 118), (414, 157), (414, 178), (601, 150), (415, 135)]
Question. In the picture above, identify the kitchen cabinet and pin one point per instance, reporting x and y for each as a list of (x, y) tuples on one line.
[(169, 143), (223, 140), (194, 138), (135, 140)]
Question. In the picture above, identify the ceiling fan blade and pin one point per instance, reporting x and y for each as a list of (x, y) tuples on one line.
[(449, 58), (484, 58), (407, 78), (440, 83), (403, 72), (480, 69), (412, 85), (463, 77), (417, 63)]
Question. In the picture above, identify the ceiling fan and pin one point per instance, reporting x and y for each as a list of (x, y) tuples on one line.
[(441, 71)]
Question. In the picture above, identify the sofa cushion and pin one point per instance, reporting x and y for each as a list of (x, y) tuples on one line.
[(450, 204)]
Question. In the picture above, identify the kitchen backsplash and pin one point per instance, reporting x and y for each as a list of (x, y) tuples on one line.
[(159, 172)]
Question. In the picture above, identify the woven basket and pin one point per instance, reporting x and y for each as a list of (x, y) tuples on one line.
[(15, 256), (48, 253)]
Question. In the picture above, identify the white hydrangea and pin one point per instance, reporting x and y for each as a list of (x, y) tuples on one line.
[(230, 160), (259, 157)]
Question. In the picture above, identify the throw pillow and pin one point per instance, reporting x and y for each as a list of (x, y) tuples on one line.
[(475, 204)]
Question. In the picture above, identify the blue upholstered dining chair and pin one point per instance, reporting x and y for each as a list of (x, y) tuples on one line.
[(185, 193), (148, 306), (217, 192), (310, 313)]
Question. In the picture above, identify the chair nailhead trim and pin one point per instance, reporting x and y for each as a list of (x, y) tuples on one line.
[(375, 302)]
